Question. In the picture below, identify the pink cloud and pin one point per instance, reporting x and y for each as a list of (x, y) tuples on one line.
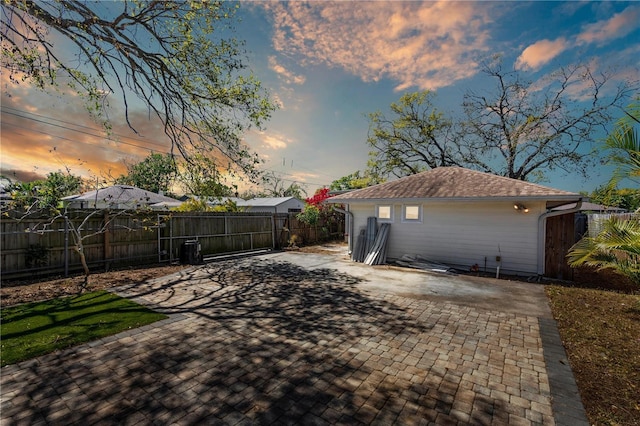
[(273, 142), (619, 25), (419, 44), (288, 76), (540, 53)]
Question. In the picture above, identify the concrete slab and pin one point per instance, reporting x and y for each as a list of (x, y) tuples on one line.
[(488, 293)]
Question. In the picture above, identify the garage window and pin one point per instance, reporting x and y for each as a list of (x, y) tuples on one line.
[(412, 213), (384, 213)]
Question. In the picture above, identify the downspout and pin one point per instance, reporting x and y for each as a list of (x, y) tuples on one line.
[(542, 231), (349, 228)]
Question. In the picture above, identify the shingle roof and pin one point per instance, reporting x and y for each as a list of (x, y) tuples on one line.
[(454, 182), (120, 194), (266, 201)]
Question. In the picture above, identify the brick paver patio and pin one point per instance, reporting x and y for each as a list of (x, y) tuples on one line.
[(259, 341)]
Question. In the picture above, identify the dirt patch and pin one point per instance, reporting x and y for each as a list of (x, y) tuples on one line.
[(335, 248), (601, 332), (606, 279), (25, 291)]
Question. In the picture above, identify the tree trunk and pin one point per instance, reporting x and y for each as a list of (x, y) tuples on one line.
[(83, 260)]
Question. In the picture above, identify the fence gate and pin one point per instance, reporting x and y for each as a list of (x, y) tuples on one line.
[(216, 233), (560, 236)]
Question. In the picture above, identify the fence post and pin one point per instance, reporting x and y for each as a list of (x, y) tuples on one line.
[(170, 239), (66, 246), (159, 240), (274, 232), (107, 243)]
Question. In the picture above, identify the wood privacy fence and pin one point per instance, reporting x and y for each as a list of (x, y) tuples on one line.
[(597, 220), (27, 249)]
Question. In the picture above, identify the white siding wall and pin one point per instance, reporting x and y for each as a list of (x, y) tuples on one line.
[(291, 204), (463, 233), (281, 208)]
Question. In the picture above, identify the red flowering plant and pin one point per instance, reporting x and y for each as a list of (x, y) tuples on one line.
[(319, 197), (315, 207), (316, 211)]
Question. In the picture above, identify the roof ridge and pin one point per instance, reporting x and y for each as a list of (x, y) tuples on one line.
[(455, 182), (501, 177)]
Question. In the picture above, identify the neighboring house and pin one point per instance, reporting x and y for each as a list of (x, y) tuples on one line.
[(213, 201), (166, 205), (273, 205), (463, 217), (5, 196), (118, 197)]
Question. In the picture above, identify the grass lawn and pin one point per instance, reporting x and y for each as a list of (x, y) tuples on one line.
[(601, 333), (34, 329)]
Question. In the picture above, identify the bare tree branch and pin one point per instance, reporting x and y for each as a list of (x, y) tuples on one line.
[(176, 57)]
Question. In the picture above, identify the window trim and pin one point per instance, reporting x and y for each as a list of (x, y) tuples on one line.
[(391, 211), (404, 213)]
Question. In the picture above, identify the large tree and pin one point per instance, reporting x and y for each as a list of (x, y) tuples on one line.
[(156, 173), (523, 129), (414, 137), (177, 58), (275, 186), (606, 195), (355, 181), (202, 177), (515, 128), (44, 194)]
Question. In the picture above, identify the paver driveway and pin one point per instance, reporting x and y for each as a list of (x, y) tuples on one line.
[(307, 339)]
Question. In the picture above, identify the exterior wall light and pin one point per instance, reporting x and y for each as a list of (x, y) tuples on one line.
[(521, 208)]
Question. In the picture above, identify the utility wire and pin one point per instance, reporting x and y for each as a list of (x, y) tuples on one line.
[(16, 111), (78, 131), (6, 111)]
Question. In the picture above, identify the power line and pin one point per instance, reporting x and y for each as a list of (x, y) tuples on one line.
[(80, 141), (124, 152), (302, 169), (319, 173), (16, 114), (4, 123), (75, 124), (291, 180), (77, 130)]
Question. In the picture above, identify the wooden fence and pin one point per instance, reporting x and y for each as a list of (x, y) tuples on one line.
[(27, 248), (597, 220)]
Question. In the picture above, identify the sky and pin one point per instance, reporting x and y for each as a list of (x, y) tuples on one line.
[(328, 65)]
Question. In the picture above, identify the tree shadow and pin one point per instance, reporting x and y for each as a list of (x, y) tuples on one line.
[(254, 342), (297, 299), (64, 311)]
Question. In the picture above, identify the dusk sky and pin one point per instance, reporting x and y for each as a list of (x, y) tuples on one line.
[(330, 64)]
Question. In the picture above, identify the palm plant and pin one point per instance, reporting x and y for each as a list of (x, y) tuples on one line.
[(616, 246), (624, 147)]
